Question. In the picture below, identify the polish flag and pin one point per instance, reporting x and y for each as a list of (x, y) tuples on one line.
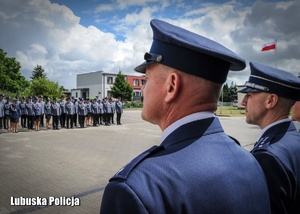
[(269, 46)]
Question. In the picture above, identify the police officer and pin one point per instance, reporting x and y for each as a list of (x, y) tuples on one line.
[(270, 93), (75, 116), (100, 111), (30, 112), (70, 110), (113, 110), (2, 101), (17, 102), (107, 111), (23, 113), (62, 117), (119, 110), (55, 112), (7, 105), (48, 113), (197, 168), (14, 115), (81, 112), (88, 117), (95, 112), (37, 108), (42, 103)]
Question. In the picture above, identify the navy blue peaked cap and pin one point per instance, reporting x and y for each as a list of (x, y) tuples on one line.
[(190, 53), (272, 80)]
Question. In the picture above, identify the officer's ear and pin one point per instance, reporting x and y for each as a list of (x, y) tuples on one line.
[(172, 86), (271, 101)]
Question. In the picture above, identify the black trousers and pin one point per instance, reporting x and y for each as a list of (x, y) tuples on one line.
[(55, 122), (75, 119), (6, 121), (30, 121), (70, 120), (119, 118), (107, 118), (62, 120), (24, 120), (100, 119), (112, 117), (81, 120), (1, 122), (95, 119), (42, 120)]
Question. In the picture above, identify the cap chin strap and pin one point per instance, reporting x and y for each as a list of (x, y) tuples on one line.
[(259, 87)]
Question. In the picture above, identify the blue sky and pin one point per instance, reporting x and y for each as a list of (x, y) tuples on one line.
[(70, 37)]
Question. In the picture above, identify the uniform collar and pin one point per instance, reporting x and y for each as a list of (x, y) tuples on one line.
[(185, 120), (273, 124)]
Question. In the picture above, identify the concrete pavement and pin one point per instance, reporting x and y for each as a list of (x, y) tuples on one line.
[(76, 163)]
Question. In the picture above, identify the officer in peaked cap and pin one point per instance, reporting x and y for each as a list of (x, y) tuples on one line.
[(197, 168), (270, 94)]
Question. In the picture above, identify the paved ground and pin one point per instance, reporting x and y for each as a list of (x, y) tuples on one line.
[(78, 162)]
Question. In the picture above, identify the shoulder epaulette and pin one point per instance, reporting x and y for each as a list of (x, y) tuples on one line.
[(125, 171)]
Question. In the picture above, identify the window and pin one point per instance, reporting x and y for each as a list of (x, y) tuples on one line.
[(109, 80), (84, 95), (143, 82), (137, 94), (135, 82), (76, 94)]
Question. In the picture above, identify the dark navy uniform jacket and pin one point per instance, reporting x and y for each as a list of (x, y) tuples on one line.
[(196, 169), (278, 152)]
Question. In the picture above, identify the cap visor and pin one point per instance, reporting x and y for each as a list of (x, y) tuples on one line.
[(247, 89), (142, 67)]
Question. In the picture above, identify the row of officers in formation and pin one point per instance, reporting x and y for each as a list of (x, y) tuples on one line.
[(66, 112)]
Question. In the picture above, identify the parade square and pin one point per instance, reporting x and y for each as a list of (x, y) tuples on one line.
[(68, 164)]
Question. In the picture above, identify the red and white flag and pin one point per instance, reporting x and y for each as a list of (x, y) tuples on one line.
[(269, 46)]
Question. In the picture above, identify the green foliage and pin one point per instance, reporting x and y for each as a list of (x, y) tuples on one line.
[(133, 104), (10, 77), (121, 88), (229, 93), (38, 72), (47, 88)]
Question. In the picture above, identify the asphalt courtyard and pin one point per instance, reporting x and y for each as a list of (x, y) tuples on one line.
[(66, 170)]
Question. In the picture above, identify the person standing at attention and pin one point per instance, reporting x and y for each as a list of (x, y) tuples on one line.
[(37, 109), (197, 168), (119, 110), (15, 114), (270, 94), (55, 112), (48, 112)]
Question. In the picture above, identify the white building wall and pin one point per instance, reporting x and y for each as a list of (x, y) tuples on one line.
[(108, 81), (92, 81)]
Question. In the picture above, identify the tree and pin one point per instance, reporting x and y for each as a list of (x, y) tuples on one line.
[(11, 79), (229, 93), (47, 88), (121, 88), (38, 72)]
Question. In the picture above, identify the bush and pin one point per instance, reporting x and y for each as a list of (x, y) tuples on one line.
[(132, 104)]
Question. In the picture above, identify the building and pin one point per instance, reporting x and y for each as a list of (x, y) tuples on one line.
[(98, 84), (136, 83), (94, 84)]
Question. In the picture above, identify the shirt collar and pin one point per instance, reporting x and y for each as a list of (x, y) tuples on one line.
[(185, 120)]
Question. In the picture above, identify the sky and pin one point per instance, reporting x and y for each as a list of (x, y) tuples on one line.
[(70, 37)]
